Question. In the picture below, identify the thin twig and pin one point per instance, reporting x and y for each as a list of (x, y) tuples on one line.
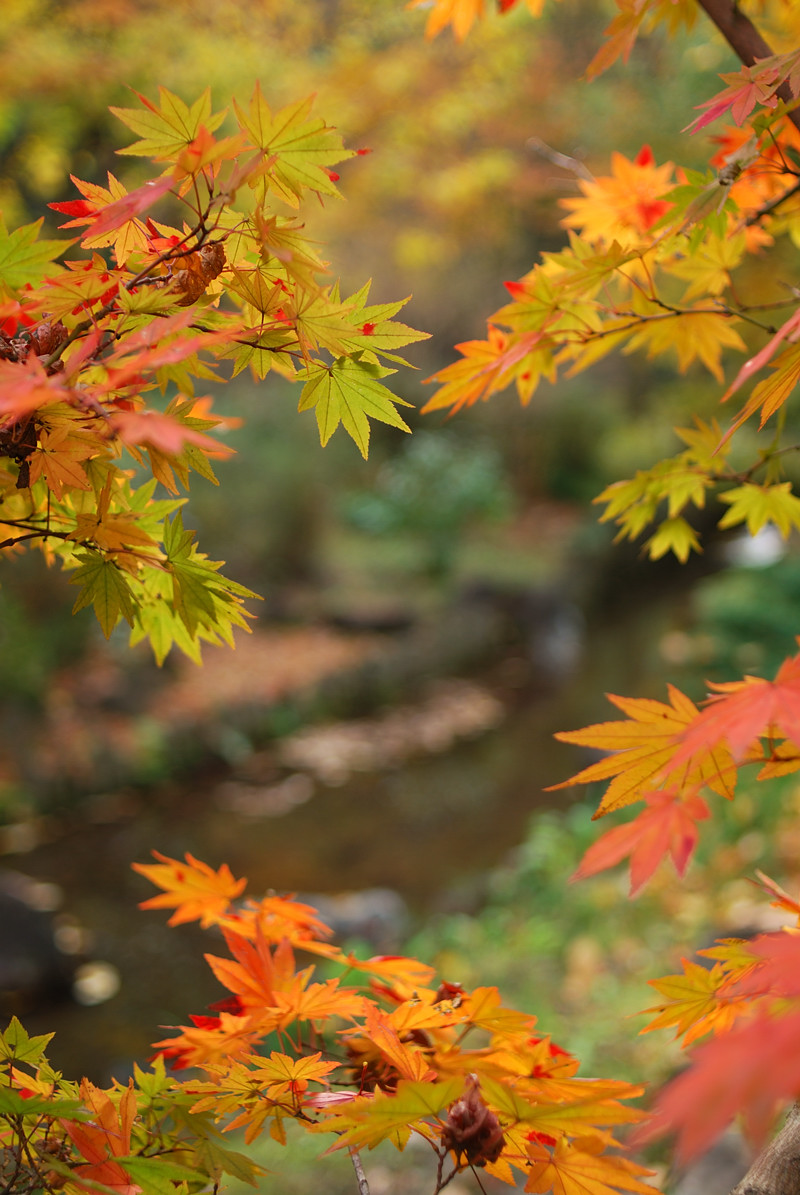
[(564, 161), (363, 1185)]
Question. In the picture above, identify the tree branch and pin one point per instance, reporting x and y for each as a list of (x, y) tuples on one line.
[(361, 1178), (776, 1170), (744, 39)]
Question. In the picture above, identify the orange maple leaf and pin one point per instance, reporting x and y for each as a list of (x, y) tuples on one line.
[(625, 205), (461, 14), (668, 825), (579, 1168), (103, 1140), (163, 432), (271, 992), (193, 889)]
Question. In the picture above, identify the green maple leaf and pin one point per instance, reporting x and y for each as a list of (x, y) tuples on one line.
[(348, 392), (157, 1176), (376, 331), (300, 149), (105, 587), (368, 1120), (24, 258), (167, 130), (202, 598), (17, 1046)]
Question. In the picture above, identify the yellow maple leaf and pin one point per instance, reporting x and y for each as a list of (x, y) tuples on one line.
[(694, 1003), (707, 269), (643, 749), (693, 335)]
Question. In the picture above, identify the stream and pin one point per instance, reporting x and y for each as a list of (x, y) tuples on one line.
[(427, 828)]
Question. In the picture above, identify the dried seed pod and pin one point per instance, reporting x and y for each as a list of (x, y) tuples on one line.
[(472, 1131), (197, 270)]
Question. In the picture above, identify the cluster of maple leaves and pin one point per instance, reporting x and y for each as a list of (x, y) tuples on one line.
[(374, 1050), (87, 349)]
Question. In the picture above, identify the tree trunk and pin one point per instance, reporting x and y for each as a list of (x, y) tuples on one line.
[(776, 1170)]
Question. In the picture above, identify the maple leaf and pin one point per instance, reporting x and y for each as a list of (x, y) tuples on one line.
[(577, 1168), (126, 234), (674, 535), (348, 392), (25, 386), (301, 150), (461, 14), (708, 269), (105, 587), (595, 1103), (645, 750), (668, 825), (486, 1010), (210, 1046), (620, 37), (740, 712), (103, 1140), (163, 432), (167, 130), (694, 335), (757, 505), (747, 87), (376, 331), (624, 205), (406, 1060), (696, 1002), (123, 210), (24, 259), (201, 596), (57, 459), (261, 1088), (393, 968), (265, 982), (751, 1070), (464, 382), (193, 889), (368, 1120)]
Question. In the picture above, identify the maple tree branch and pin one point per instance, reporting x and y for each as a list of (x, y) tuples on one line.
[(776, 1170), (770, 206), (363, 1185), (745, 40)]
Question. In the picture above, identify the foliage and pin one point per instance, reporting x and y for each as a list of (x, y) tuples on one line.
[(673, 263), (372, 1053), (83, 346), (658, 263), (433, 489)]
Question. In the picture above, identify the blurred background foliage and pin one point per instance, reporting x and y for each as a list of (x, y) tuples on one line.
[(453, 199)]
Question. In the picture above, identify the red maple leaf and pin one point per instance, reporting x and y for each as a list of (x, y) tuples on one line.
[(741, 712), (752, 1070), (667, 826)]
